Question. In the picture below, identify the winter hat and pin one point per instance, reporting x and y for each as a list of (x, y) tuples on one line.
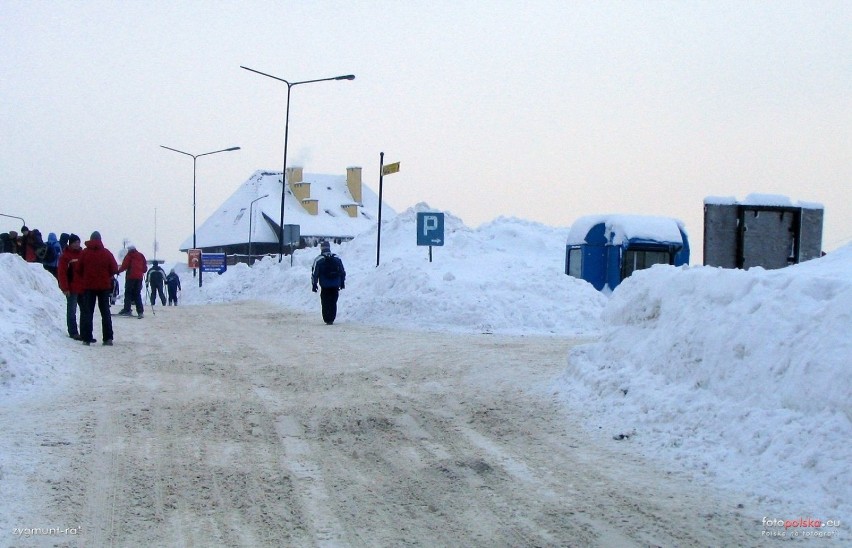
[(73, 238), (325, 246), (24, 229), (156, 263), (95, 235), (131, 246)]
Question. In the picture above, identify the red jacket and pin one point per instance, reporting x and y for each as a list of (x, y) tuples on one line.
[(68, 267), (135, 265), (96, 267)]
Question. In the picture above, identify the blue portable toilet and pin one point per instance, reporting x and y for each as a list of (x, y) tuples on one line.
[(605, 249)]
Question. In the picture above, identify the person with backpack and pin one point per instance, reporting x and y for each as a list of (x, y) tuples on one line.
[(173, 282), (49, 254), (329, 274), (96, 267), (136, 265), (155, 278), (71, 283)]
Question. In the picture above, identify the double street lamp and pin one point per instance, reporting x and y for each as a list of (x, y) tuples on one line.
[(194, 158), (286, 135)]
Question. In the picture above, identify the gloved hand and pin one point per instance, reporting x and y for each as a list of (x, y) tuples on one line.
[(314, 288)]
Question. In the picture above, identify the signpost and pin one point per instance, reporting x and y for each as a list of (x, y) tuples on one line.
[(214, 262), (291, 237), (383, 170), (430, 229)]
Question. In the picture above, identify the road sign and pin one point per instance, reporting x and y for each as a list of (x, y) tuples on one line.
[(193, 258), (292, 235), (390, 168), (214, 262), (430, 228)]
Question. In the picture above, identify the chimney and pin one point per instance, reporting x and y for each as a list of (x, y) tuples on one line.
[(350, 209), (311, 205), (353, 181)]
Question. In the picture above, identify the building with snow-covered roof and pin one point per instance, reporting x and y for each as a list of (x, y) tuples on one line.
[(765, 230), (326, 207), (605, 249)]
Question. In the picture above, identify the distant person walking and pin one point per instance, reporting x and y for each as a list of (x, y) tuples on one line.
[(155, 278), (96, 266), (173, 282), (71, 283), (136, 266), (329, 273)]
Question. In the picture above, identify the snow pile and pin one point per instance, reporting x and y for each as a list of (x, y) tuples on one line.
[(503, 277), (33, 323), (737, 374)]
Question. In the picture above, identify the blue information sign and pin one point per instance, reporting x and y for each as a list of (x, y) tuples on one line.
[(430, 228), (214, 262)]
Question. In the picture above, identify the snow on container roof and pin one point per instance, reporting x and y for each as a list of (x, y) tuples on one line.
[(622, 228), (769, 200), (720, 200)]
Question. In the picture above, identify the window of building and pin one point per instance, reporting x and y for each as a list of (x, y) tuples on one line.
[(638, 259), (575, 262)]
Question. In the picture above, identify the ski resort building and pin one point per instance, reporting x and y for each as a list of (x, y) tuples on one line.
[(325, 207), (605, 249)]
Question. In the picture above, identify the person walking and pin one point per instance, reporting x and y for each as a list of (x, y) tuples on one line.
[(173, 283), (71, 283), (96, 266), (329, 273), (155, 278), (136, 266)]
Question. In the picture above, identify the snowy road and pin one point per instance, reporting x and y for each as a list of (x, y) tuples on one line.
[(245, 425)]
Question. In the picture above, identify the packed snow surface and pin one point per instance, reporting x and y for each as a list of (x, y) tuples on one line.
[(738, 376)]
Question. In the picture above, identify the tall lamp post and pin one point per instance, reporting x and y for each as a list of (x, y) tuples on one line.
[(286, 135), (251, 205), (194, 158)]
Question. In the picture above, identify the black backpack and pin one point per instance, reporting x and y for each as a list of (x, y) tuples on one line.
[(46, 253), (331, 266)]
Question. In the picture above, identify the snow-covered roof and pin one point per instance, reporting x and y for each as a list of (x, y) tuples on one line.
[(229, 224), (622, 228), (770, 200)]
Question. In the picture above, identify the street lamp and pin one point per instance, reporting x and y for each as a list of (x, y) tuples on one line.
[(194, 158), (251, 205), (286, 134)]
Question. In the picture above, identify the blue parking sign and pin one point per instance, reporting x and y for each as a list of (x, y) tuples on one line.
[(430, 228)]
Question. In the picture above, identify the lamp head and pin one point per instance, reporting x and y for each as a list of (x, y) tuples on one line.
[(347, 77)]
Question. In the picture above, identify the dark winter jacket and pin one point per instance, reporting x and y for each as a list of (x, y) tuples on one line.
[(328, 271), (156, 276), (135, 265), (174, 281), (68, 271), (97, 266)]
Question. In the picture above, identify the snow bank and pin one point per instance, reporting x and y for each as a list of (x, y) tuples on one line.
[(737, 374), (33, 323), (504, 277)]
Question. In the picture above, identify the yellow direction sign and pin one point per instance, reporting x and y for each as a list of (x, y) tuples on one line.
[(390, 168)]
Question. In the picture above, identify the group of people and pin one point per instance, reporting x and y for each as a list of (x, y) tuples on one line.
[(87, 278), (30, 245)]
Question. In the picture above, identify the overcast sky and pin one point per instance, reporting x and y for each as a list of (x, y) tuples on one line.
[(541, 110)]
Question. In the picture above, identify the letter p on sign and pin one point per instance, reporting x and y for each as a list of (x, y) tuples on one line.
[(430, 228)]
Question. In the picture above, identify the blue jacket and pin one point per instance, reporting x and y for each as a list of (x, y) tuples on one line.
[(328, 271), (57, 249)]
